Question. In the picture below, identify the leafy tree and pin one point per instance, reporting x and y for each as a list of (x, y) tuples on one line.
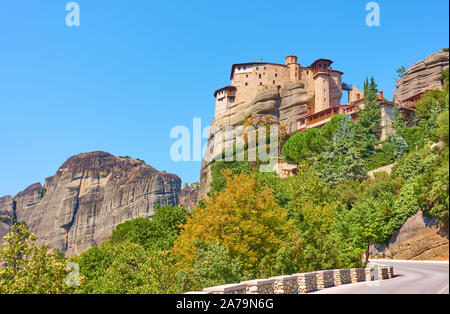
[(346, 193), (358, 228), (311, 210), (330, 127), (369, 118), (133, 270), (94, 263), (442, 131), (399, 144), (343, 160), (306, 188), (156, 234), (213, 266), (273, 181), (303, 146), (29, 269), (219, 181), (433, 188)]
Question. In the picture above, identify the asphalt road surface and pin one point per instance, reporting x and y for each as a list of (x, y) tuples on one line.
[(410, 277)]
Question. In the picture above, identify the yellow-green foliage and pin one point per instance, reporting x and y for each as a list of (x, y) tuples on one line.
[(29, 269), (244, 217)]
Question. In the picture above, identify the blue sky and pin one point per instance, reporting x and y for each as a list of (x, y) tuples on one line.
[(135, 69)]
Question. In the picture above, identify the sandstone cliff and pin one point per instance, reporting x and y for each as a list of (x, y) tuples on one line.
[(6, 215), (88, 196), (422, 76), (280, 106), (188, 196), (420, 238)]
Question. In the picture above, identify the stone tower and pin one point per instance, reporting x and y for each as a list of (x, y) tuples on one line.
[(293, 68)]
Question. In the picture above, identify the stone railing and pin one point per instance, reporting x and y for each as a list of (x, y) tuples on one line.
[(304, 282)]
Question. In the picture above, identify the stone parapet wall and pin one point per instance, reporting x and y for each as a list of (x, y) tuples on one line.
[(305, 282), (342, 276), (286, 284), (358, 274), (240, 288), (260, 286)]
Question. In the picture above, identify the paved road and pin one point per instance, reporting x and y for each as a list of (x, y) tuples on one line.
[(409, 278)]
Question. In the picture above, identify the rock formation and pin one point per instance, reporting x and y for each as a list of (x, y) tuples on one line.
[(280, 106), (423, 75), (420, 238), (87, 197), (6, 215), (188, 196), (27, 200)]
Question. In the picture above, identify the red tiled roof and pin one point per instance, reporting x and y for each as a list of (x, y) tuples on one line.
[(324, 60)]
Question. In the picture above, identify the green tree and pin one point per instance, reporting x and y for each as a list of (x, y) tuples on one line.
[(219, 181), (244, 217), (369, 118), (358, 228), (132, 270), (311, 210), (343, 160), (442, 131), (30, 269), (155, 234), (213, 266), (330, 127), (303, 146)]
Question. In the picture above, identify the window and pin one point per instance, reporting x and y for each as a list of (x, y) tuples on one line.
[(265, 68), (276, 75), (260, 76), (260, 83), (246, 75), (273, 82), (246, 84)]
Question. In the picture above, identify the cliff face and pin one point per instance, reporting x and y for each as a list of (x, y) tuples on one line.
[(188, 196), (280, 106), (6, 216), (89, 195), (423, 75), (27, 200), (420, 238)]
